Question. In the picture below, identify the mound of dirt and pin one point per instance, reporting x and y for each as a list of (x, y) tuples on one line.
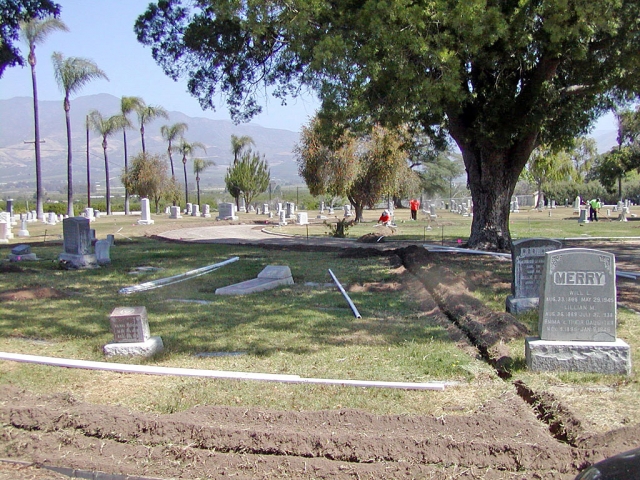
[(22, 294)]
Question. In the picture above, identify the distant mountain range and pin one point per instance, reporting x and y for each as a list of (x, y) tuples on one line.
[(17, 164), (17, 168)]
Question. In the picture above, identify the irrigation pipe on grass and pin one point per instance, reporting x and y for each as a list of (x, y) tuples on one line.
[(353, 307), (163, 282), (190, 372)]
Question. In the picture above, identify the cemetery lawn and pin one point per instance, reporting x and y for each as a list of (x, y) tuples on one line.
[(425, 317)]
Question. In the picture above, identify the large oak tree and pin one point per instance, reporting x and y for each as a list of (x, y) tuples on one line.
[(500, 76)]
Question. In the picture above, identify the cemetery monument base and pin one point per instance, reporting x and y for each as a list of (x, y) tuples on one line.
[(586, 357), (147, 348)]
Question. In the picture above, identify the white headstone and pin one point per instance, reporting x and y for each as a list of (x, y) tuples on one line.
[(4, 228), (102, 252), (265, 208), (174, 212), (303, 218), (195, 210), (88, 213), (145, 212), (206, 211), (283, 217), (24, 229)]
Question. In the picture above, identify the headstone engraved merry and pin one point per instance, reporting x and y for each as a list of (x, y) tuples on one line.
[(579, 300), (577, 316), (526, 272)]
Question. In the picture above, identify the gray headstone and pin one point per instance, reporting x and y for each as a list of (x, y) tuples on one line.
[(129, 324), (102, 252), (578, 301), (526, 272), (77, 236), (174, 212), (225, 211)]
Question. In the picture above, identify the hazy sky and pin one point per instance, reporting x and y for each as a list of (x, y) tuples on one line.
[(102, 30)]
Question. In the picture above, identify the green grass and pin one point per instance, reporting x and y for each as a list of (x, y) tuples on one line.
[(299, 329)]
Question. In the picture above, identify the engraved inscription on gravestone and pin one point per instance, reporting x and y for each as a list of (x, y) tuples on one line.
[(579, 298), (129, 324), (528, 263), (77, 236)]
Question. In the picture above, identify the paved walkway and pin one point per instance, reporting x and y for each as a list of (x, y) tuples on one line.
[(256, 235)]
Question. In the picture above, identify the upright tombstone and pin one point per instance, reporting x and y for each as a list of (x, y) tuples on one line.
[(24, 228), (577, 316), (265, 208), (321, 208), (347, 210), (102, 248), (225, 211), (189, 208), (88, 213), (10, 206), (291, 209), (243, 205), (77, 244), (4, 229), (131, 336), (526, 272), (303, 218), (195, 210), (583, 216), (174, 212), (576, 204), (282, 218), (145, 212), (206, 211)]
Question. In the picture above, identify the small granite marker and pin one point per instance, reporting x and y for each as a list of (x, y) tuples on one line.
[(130, 328), (577, 317)]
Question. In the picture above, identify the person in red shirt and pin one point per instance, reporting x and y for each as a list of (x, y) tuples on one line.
[(414, 205), (385, 218)]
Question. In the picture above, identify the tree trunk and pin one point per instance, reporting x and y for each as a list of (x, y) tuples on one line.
[(126, 170), (198, 188), (186, 189), (88, 167), (67, 107), (36, 131), (359, 208), (173, 173), (106, 172), (492, 178), (142, 137), (492, 174)]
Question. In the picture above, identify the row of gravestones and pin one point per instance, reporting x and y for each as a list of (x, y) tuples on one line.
[(574, 290)]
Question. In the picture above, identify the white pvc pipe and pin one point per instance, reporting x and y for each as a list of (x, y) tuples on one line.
[(344, 294), (163, 282), (189, 372)]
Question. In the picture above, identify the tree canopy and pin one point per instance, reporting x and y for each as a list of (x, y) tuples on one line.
[(499, 76), (362, 167), (148, 178), (12, 13), (249, 177)]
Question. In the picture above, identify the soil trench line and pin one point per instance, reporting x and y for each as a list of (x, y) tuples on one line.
[(563, 426)]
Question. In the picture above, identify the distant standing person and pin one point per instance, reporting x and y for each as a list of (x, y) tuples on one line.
[(414, 205), (594, 207)]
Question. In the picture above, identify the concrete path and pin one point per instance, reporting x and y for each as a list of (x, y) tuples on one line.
[(256, 235)]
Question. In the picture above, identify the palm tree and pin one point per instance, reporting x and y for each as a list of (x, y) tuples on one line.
[(187, 149), (171, 133), (238, 146), (34, 32), (127, 105), (105, 127), (72, 74), (199, 165), (146, 113)]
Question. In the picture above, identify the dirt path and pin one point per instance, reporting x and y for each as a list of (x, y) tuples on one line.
[(522, 434)]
